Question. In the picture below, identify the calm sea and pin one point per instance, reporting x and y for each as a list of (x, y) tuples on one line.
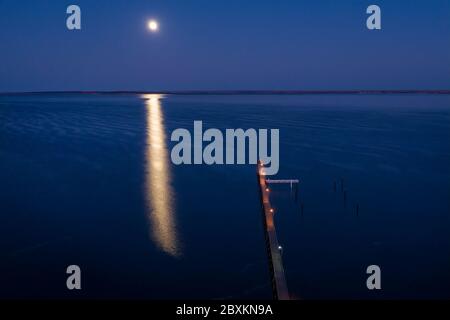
[(87, 180)]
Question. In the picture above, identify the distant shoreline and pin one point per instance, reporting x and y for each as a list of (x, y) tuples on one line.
[(238, 92)]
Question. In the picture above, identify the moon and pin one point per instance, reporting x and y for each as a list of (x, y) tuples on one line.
[(153, 25)]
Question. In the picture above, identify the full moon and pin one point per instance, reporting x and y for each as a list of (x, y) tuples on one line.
[(153, 25)]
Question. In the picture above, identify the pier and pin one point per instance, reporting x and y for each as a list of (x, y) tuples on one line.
[(279, 286)]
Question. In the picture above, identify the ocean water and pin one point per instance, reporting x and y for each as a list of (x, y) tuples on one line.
[(87, 180)]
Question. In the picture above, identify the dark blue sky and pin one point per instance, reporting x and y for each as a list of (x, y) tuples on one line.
[(224, 44)]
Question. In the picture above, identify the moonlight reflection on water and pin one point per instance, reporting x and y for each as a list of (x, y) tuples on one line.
[(159, 192)]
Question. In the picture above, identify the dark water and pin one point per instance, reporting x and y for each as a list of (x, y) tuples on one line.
[(87, 180)]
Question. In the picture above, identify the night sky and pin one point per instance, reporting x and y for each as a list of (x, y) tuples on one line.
[(224, 44)]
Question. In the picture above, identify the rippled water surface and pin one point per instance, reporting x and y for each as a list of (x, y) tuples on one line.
[(87, 180)]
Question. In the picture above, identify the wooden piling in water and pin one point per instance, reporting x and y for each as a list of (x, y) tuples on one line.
[(345, 198)]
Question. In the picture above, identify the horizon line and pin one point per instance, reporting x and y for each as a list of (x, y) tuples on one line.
[(236, 92)]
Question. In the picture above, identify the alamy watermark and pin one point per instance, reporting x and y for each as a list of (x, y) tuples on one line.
[(73, 21), (74, 279), (374, 20), (374, 280), (236, 146)]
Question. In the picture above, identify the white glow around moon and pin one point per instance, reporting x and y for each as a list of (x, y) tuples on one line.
[(153, 25)]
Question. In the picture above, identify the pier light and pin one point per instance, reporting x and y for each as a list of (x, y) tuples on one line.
[(271, 210), (280, 248), (267, 189)]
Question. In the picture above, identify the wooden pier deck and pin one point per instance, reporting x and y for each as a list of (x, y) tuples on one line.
[(279, 285)]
